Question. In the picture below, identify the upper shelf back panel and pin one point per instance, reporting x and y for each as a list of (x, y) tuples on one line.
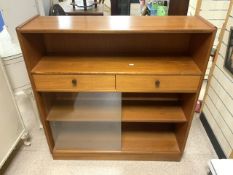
[(116, 24)]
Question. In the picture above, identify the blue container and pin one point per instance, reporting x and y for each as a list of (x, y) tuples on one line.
[(1, 22), (153, 11)]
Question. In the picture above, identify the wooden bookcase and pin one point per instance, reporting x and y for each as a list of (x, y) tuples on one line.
[(156, 64)]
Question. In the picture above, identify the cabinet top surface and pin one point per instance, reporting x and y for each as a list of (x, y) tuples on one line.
[(116, 24)]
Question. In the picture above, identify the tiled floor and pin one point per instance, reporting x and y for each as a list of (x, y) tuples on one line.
[(36, 159)]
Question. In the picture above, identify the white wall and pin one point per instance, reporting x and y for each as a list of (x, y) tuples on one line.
[(218, 106), (11, 123), (46, 6), (192, 7), (15, 12), (215, 11)]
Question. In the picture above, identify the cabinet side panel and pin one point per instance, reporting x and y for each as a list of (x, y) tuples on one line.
[(182, 129), (33, 48), (200, 48)]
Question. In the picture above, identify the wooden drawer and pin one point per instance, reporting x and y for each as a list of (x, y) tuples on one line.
[(74, 82), (140, 83)]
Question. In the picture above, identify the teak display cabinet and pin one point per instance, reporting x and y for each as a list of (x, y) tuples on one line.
[(153, 67)]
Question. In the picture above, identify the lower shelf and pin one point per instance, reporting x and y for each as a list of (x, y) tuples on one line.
[(148, 138), (137, 142), (115, 126)]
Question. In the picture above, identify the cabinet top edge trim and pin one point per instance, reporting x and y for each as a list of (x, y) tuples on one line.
[(116, 24)]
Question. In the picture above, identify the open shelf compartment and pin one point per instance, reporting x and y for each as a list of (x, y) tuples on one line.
[(138, 53), (125, 122), (105, 107), (84, 136), (152, 111), (150, 138)]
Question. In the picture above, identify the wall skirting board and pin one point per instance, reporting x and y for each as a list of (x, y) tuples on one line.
[(212, 137)]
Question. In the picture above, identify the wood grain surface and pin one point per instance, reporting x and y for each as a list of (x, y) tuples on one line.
[(109, 24)]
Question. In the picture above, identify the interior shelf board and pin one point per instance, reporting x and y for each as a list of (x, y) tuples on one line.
[(150, 111), (177, 65), (132, 111), (65, 110)]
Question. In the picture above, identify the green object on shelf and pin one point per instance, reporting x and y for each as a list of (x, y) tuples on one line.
[(158, 7), (154, 6), (162, 10)]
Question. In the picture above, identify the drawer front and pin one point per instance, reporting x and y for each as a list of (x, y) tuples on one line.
[(138, 83), (74, 83)]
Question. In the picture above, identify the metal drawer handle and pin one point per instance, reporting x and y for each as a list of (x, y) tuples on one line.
[(157, 83), (74, 82)]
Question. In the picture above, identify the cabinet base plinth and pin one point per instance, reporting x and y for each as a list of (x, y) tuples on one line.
[(69, 155)]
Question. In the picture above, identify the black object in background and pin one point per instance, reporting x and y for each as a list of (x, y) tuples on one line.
[(229, 55), (56, 10)]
